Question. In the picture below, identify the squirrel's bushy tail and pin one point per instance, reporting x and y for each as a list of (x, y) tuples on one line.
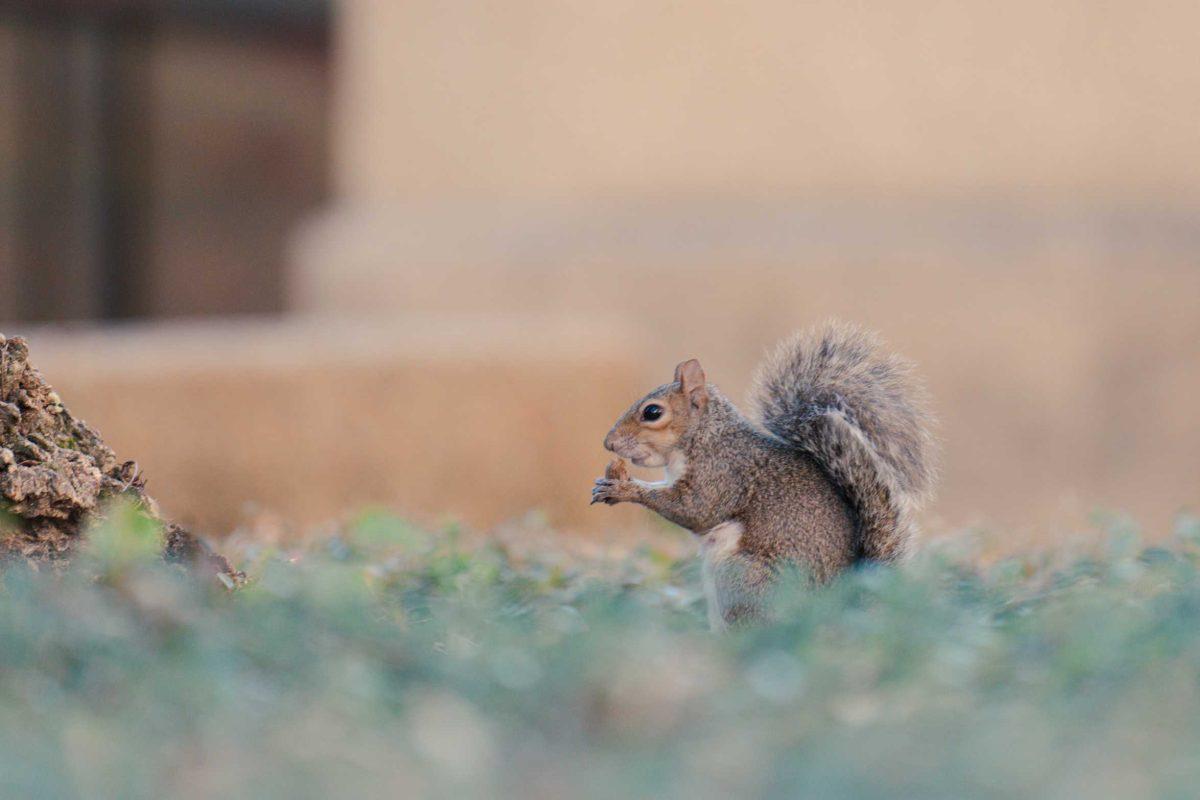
[(835, 394)]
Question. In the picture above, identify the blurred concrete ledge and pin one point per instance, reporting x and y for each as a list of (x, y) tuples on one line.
[(470, 417), (359, 258), (1058, 336), (468, 363)]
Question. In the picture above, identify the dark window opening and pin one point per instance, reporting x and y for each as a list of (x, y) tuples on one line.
[(156, 156)]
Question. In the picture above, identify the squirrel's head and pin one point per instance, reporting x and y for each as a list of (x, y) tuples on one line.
[(650, 430)]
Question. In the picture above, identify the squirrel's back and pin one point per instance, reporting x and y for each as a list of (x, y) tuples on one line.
[(859, 412)]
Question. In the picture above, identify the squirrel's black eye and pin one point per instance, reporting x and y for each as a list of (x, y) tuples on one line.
[(652, 412)]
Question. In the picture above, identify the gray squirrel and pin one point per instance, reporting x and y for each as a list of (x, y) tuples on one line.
[(841, 457)]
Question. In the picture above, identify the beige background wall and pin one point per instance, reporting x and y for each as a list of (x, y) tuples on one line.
[(1010, 193), (1064, 368), (913, 95)]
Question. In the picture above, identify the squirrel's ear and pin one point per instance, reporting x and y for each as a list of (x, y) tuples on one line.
[(690, 377)]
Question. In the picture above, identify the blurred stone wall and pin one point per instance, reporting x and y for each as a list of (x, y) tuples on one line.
[(468, 419), (539, 208), (1009, 193), (1061, 344)]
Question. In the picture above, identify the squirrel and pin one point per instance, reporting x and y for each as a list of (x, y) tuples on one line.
[(841, 456)]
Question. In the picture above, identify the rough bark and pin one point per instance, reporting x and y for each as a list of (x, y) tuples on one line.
[(57, 475)]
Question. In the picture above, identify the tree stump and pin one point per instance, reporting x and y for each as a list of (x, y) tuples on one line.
[(57, 476)]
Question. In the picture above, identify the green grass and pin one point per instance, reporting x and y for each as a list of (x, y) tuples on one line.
[(393, 662)]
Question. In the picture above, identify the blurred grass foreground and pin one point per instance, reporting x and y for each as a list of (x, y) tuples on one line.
[(396, 662)]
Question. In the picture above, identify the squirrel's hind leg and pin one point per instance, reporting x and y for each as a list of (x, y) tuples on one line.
[(737, 585)]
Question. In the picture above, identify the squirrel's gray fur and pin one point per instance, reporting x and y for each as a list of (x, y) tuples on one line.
[(836, 394), (831, 476)]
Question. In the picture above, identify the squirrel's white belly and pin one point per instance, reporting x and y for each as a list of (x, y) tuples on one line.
[(675, 468), (717, 547)]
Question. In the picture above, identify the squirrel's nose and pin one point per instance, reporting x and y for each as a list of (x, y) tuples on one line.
[(608, 440)]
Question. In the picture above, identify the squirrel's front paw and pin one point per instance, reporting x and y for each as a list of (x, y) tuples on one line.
[(612, 491)]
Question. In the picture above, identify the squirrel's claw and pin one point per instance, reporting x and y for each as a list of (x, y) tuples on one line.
[(607, 491)]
